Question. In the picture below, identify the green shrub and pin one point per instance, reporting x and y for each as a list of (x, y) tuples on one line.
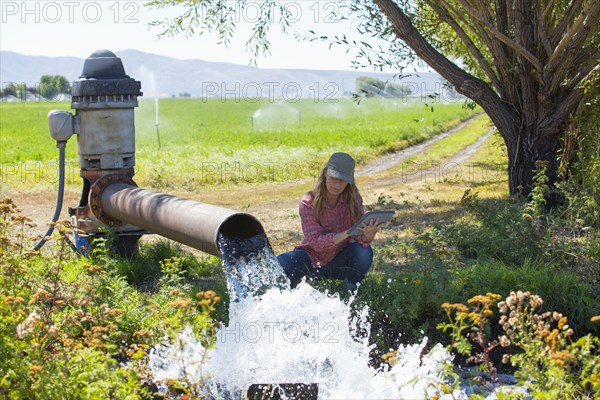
[(144, 269), (492, 229), (73, 328)]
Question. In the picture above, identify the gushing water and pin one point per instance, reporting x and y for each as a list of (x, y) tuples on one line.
[(250, 266), (277, 336)]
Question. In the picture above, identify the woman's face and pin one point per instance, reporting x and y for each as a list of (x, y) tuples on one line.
[(335, 186)]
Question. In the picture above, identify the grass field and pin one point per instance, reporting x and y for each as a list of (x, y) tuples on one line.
[(214, 141)]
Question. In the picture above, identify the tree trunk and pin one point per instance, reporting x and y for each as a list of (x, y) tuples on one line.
[(526, 149)]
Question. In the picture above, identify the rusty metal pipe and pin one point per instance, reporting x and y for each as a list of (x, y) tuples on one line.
[(192, 223)]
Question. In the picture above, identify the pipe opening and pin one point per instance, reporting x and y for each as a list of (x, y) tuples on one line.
[(243, 226)]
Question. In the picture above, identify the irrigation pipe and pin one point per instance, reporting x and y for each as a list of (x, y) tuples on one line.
[(61, 191)]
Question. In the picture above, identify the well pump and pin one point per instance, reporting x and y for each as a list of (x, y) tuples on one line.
[(104, 99)]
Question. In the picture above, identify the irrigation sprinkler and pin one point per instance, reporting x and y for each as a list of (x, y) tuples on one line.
[(156, 119)]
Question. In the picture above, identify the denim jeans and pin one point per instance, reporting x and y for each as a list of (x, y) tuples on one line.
[(351, 265)]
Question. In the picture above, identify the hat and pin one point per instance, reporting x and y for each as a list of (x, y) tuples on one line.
[(341, 165)]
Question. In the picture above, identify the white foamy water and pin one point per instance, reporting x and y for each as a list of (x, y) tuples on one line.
[(280, 336), (299, 336)]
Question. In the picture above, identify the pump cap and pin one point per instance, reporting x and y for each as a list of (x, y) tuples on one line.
[(103, 64)]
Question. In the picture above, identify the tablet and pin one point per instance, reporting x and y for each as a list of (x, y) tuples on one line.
[(384, 216)]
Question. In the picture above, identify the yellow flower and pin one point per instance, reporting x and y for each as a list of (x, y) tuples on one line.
[(475, 317), (562, 322), (389, 357), (13, 300), (181, 303), (456, 306), (35, 370)]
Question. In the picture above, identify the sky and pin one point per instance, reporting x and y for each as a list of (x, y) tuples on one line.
[(78, 28)]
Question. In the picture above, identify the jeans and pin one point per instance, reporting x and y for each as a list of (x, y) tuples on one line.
[(351, 265)]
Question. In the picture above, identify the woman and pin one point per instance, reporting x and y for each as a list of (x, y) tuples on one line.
[(326, 213)]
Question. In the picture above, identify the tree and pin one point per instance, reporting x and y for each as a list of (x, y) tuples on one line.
[(54, 85), (523, 61), (367, 86), (18, 90)]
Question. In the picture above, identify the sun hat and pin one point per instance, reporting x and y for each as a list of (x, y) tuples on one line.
[(341, 165)]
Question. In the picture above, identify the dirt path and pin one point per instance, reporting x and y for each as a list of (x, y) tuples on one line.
[(395, 158), (274, 204)]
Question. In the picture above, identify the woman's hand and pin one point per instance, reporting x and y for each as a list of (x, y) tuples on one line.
[(369, 230)]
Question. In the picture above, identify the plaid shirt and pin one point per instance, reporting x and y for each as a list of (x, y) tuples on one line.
[(318, 237)]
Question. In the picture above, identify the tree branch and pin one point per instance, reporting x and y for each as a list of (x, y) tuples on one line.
[(584, 73), (562, 25), (506, 40), (558, 65), (483, 63), (562, 45), (544, 38)]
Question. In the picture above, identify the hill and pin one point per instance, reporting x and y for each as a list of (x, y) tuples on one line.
[(166, 77)]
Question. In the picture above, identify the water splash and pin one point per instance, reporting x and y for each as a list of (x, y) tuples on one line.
[(280, 336), (300, 336), (276, 115), (251, 266)]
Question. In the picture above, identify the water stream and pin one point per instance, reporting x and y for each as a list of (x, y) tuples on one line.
[(277, 336)]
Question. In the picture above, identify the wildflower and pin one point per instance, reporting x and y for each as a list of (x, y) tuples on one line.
[(504, 341), (457, 306), (94, 269), (556, 316), (535, 301), (34, 371), (562, 322), (209, 294), (181, 303), (10, 300), (113, 312), (493, 296), (502, 307), (552, 339), (99, 330), (488, 313), (142, 333), (40, 295), (562, 358), (390, 357), (26, 327), (53, 331), (505, 358), (23, 220), (596, 318), (475, 317)]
